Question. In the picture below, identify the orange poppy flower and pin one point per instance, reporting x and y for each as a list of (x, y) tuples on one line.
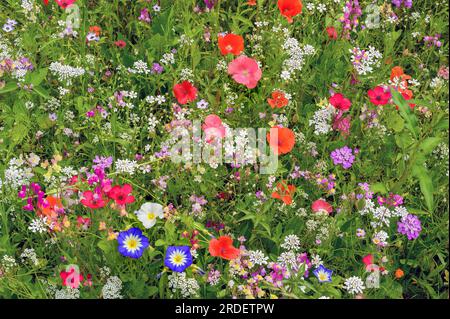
[(251, 2), (223, 248), (281, 140), (290, 8), (397, 72), (95, 29), (52, 209), (399, 273), (278, 100), (284, 192), (231, 44)]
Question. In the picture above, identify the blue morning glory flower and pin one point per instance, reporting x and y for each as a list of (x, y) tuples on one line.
[(323, 274), (178, 258), (132, 243)]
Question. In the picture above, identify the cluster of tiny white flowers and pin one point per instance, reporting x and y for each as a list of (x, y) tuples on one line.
[(257, 257), (168, 58), (291, 242), (29, 254), (296, 54), (16, 175), (65, 72), (159, 99), (8, 263), (38, 225), (322, 120), (188, 287), (139, 67), (364, 62), (354, 285), (112, 288), (186, 75), (126, 166), (67, 293), (288, 259)]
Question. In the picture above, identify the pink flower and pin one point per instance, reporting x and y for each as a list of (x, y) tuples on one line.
[(245, 70), (368, 260), (321, 206), (213, 127)]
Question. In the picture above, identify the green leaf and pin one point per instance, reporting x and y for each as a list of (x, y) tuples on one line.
[(405, 112), (428, 145), (426, 184), (395, 122), (9, 87)]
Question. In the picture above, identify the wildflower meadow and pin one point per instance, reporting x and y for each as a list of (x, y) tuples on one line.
[(224, 149)]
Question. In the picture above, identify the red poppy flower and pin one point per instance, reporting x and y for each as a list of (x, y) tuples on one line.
[(93, 200), (120, 44), (278, 100), (340, 102), (284, 192), (332, 33), (46, 2), (121, 194), (231, 44), (281, 140), (185, 92), (321, 206), (379, 96), (223, 248), (251, 2), (290, 8)]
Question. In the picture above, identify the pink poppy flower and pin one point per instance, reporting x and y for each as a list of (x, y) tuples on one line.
[(245, 70), (213, 128), (321, 206)]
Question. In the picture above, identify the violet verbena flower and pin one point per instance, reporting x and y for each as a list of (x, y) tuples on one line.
[(210, 3), (410, 226), (343, 156)]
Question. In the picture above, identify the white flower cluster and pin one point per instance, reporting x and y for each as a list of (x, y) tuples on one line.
[(188, 286), (291, 242), (380, 238), (322, 120), (296, 59), (67, 293), (112, 289), (288, 259), (65, 72), (257, 257), (354, 285), (364, 60), (126, 166), (382, 215), (159, 99), (29, 254), (139, 67), (168, 58), (8, 263), (16, 174), (38, 225)]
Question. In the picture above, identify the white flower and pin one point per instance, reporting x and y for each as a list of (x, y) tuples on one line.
[(354, 285), (148, 213), (291, 242)]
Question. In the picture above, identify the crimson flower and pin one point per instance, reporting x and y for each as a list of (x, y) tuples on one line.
[(93, 200), (340, 102), (379, 96), (185, 92), (121, 194)]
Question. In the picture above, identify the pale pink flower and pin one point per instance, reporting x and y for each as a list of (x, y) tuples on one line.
[(245, 70), (213, 128)]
